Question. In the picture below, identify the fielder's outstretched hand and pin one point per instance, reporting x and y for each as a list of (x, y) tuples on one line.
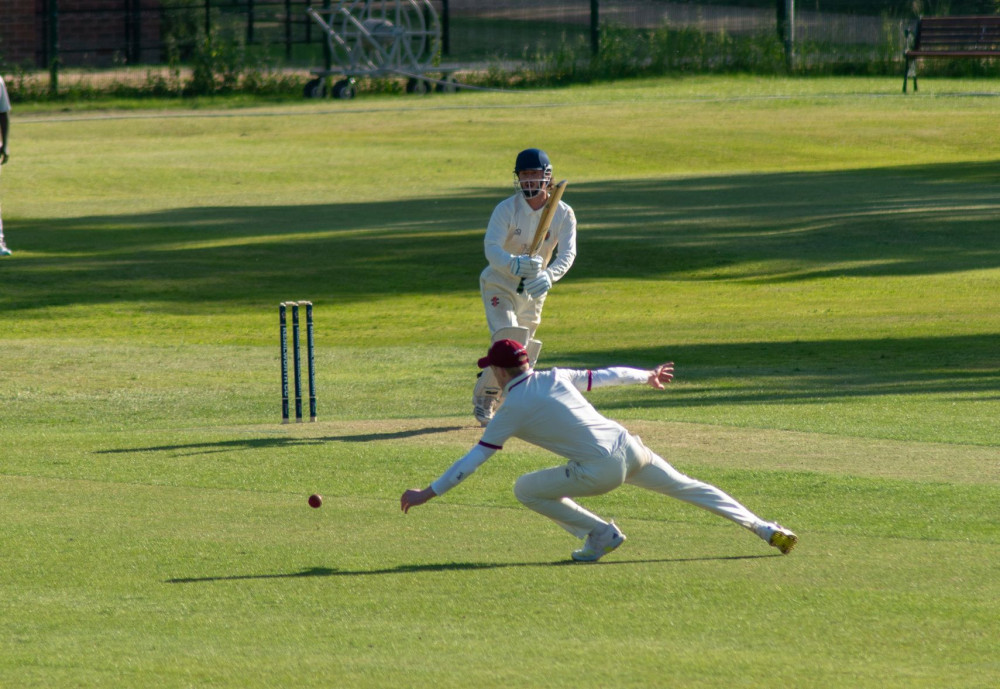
[(414, 497), (661, 375)]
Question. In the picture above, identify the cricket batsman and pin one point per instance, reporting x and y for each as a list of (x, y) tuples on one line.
[(515, 283)]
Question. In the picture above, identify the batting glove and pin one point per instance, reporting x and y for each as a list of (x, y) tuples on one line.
[(539, 285), (525, 266)]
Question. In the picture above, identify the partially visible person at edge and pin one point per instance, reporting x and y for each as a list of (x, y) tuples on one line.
[(4, 138), (548, 409)]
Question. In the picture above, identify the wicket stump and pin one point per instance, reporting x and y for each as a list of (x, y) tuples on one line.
[(296, 359)]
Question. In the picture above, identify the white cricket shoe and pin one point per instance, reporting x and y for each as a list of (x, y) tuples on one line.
[(4, 251), (596, 547)]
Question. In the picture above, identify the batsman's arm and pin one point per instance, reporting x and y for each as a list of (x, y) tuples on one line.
[(496, 235), (566, 244)]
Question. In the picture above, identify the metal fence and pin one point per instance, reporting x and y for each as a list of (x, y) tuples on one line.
[(118, 38)]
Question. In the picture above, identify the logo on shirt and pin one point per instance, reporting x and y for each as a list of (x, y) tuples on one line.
[(495, 302), (517, 231)]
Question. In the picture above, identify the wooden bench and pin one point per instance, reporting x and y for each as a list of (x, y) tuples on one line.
[(976, 37)]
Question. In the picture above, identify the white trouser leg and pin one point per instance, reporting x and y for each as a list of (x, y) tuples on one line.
[(1, 227), (656, 474), (505, 308), (548, 492)]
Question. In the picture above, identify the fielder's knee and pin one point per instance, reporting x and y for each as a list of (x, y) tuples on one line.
[(522, 491)]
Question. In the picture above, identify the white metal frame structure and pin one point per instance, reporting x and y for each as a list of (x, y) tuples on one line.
[(379, 38)]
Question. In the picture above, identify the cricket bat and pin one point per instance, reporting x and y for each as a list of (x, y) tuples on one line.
[(546, 219)]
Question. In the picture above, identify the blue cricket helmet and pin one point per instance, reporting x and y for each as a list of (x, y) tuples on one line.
[(532, 159)]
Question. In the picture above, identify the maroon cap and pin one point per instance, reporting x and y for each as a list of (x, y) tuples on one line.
[(505, 354)]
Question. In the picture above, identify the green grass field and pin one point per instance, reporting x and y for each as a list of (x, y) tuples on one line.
[(819, 257)]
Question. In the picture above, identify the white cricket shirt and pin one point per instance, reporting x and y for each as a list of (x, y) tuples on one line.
[(546, 408), (510, 232)]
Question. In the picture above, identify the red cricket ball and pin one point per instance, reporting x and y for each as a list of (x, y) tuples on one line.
[(315, 500)]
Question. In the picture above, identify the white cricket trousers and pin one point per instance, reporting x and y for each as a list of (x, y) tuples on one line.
[(1, 222), (549, 491), (505, 308)]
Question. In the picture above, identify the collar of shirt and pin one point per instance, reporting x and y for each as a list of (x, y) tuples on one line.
[(525, 206), (517, 381)]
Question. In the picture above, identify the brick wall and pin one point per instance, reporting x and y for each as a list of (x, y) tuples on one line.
[(91, 32), (18, 33)]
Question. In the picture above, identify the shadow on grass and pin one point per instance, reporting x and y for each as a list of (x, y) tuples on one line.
[(787, 227), (812, 371), (268, 443), (451, 567)]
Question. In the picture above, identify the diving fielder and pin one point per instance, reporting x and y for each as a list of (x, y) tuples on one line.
[(514, 284), (548, 409)]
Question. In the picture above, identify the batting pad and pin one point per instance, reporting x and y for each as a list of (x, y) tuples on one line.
[(534, 348), (487, 391), (512, 332)]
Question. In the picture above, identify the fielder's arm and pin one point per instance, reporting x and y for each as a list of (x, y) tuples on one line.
[(414, 497), (623, 375), (458, 472)]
